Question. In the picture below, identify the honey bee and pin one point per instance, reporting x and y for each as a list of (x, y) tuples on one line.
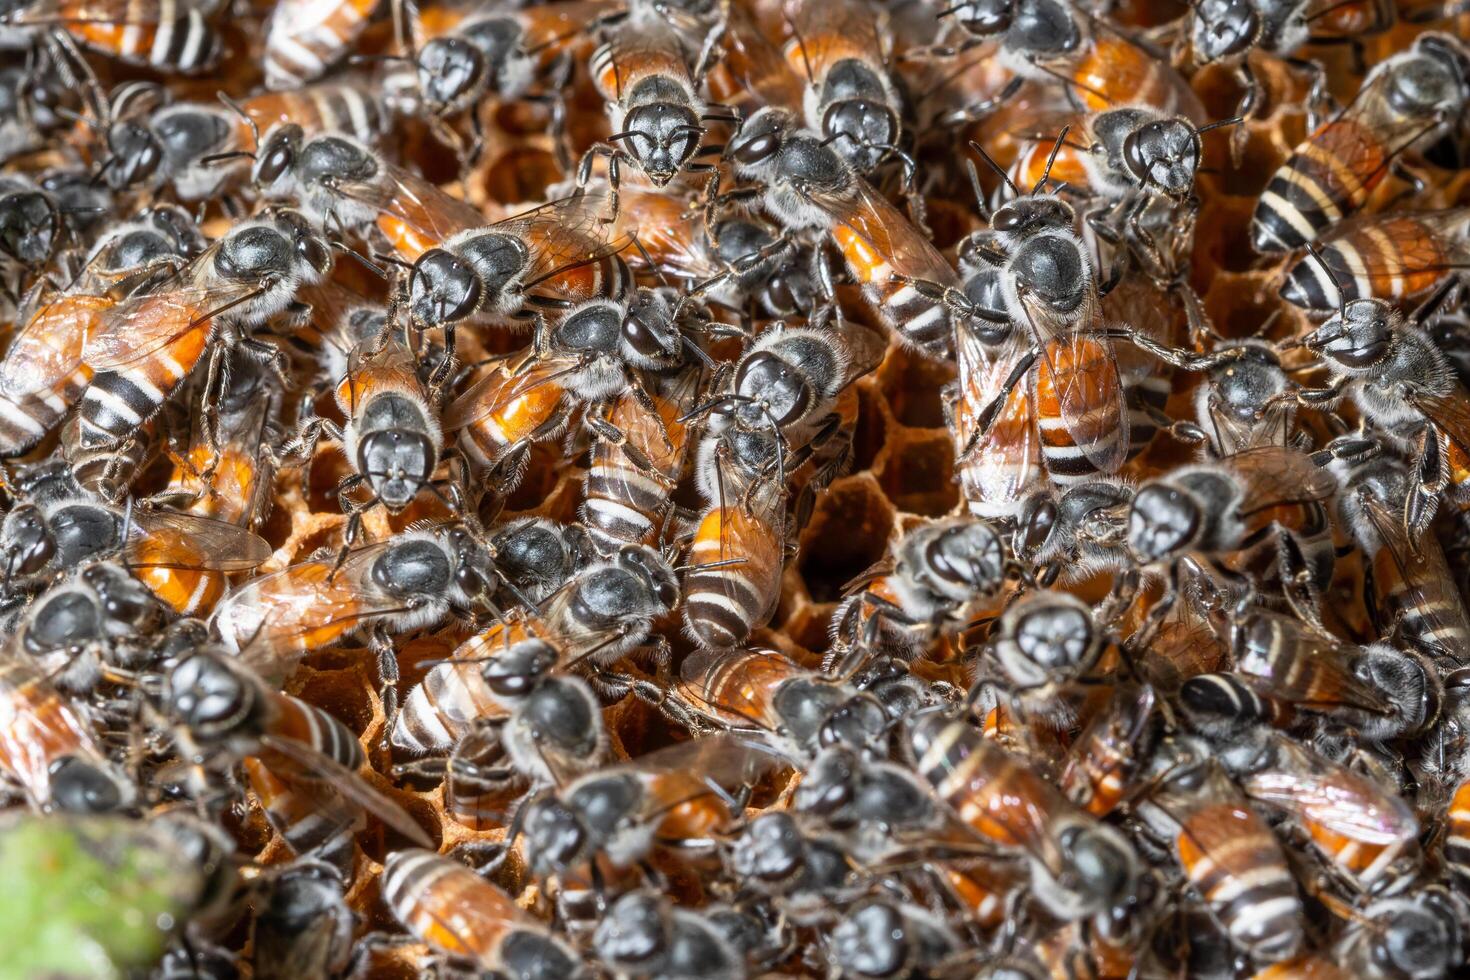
[(644, 934), (736, 555), (169, 38), (146, 346), (1044, 645), (677, 796), (43, 373), (803, 874), (806, 185), (93, 628), (535, 556), (304, 927), (1369, 836), (885, 938), (1078, 532), (305, 38), (1243, 403), (850, 97), (194, 148), (797, 711), (1051, 41), (1404, 101), (1080, 869), (1259, 505), (1102, 764), (461, 915), (47, 747), (1417, 935), (30, 97), (650, 82), (1394, 257), (1226, 851), (927, 589), (406, 583), (1381, 690), (301, 762)]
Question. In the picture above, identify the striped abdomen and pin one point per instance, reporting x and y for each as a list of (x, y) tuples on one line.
[(1457, 833), (311, 817), (640, 51), (443, 708), (1231, 858), (310, 725), (1363, 861), (306, 37), (988, 789), (1080, 411), (723, 605), (26, 420), (167, 562), (740, 689), (328, 107), (45, 363), (997, 470), (914, 317), (447, 905), (1393, 258), (1327, 178), (118, 401), (1114, 71), (1427, 610), (38, 727), (110, 470), (628, 486), (507, 410), (167, 35)]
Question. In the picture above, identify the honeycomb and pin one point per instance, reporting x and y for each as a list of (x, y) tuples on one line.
[(903, 460)]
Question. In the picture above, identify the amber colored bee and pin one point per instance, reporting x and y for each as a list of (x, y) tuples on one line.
[(807, 185), (736, 556), (457, 912), (165, 36), (1394, 257), (1405, 101), (145, 347), (1101, 764), (1226, 851), (1368, 835), (1007, 803), (44, 372), (305, 38), (302, 763), (47, 748)]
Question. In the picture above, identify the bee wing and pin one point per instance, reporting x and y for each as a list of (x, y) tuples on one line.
[(48, 348), (433, 214), (1002, 465), (1077, 381), (1422, 569), (1319, 677), (1450, 413), (1276, 475), (670, 238), (747, 712), (825, 33), (886, 231), (144, 324), (868, 576), (548, 23), (1314, 789), (509, 380), (1414, 252), (690, 770), (120, 12), (754, 61), (1369, 133), (351, 787), (562, 235), (164, 539)]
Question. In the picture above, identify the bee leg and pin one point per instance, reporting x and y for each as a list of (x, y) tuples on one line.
[(387, 660), (483, 857), (977, 112), (1431, 468), (584, 175), (1250, 102)]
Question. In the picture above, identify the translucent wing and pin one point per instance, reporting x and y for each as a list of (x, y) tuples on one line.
[(886, 230), (1076, 381), (744, 706), (1429, 584), (142, 325), (1319, 675), (411, 201), (995, 469), (562, 234), (690, 770), (548, 23), (1311, 787), (121, 12), (164, 539), (825, 33), (49, 347), (1276, 475), (672, 240), (1450, 413), (754, 62), (505, 384)]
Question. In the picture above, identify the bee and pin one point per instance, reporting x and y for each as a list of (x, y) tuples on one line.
[(1045, 644), (804, 874), (34, 105), (643, 934), (305, 38), (1051, 41), (1079, 532), (1405, 101), (304, 927), (535, 556), (461, 915), (1112, 749), (740, 261), (885, 938), (1394, 257), (1369, 836), (646, 75), (873, 806), (677, 796), (551, 722), (1415, 935), (300, 761), (145, 347), (1404, 385), (1409, 586), (398, 586), (927, 589), (796, 711), (48, 749), (631, 473), (1226, 851), (194, 148), (806, 185), (1259, 505), (850, 97), (1383, 691), (44, 373), (167, 37), (1244, 403), (32, 227), (81, 632), (1080, 869)]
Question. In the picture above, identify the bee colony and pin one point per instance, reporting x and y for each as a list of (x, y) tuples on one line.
[(723, 488)]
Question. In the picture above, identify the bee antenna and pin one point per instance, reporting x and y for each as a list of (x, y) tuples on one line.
[(980, 205), (1220, 124), (990, 160), (239, 110), (1051, 159), (1316, 253)]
